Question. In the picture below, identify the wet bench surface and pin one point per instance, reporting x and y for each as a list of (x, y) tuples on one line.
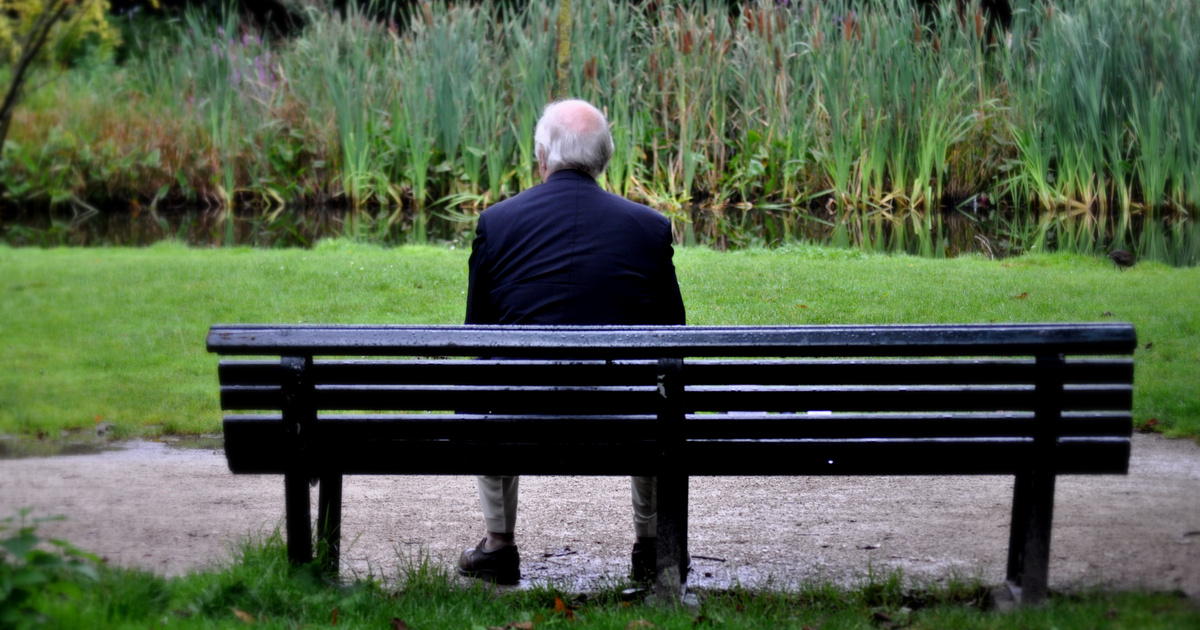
[(1029, 400)]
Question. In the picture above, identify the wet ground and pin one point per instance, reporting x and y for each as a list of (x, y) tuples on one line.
[(172, 506)]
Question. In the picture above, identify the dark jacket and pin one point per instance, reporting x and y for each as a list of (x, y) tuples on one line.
[(568, 252)]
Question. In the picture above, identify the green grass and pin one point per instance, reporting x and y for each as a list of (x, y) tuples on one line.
[(117, 335), (258, 584)]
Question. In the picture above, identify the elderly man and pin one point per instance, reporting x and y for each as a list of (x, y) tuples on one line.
[(567, 252)]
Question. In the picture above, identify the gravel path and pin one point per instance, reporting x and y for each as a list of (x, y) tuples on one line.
[(174, 510)]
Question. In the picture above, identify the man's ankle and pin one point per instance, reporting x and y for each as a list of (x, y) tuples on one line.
[(497, 540)]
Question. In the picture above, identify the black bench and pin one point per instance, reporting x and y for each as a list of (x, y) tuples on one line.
[(1029, 400)]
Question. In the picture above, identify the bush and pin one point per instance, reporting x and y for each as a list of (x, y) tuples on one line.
[(83, 29), (28, 570)]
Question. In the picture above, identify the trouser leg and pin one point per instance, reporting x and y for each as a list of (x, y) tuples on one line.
[(498, 498), (645, 506)]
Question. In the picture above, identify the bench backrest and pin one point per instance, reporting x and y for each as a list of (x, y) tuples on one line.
[(904, 399)]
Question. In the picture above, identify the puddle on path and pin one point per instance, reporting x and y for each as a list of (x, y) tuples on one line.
[(206, 442), (24, 448), (20, 447)]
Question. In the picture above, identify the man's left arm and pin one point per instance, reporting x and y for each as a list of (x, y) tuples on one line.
[(480, 309)]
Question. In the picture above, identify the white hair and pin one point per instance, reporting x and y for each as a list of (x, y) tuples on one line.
[(573, 134)]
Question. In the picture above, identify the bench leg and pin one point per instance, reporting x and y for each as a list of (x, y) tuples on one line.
[(296, 501), (1016, 532), (1029, 537), (671, 551), (329, 522)]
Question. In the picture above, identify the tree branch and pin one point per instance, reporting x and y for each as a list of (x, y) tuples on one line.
[(36, 39)]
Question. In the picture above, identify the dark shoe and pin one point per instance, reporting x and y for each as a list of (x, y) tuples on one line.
[(502, 566), (645, 562), (645, 566)]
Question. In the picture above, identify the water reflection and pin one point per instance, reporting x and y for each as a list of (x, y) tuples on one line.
[(957, 229), (196, 226)]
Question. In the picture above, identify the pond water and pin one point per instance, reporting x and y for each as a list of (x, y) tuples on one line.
[(957, 232)]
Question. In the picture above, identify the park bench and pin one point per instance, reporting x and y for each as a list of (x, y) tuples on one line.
[(1029, 400)]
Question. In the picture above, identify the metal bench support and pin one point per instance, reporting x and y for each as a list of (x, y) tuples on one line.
[(299, 419), (671, 552), (329, 521), (1033, 491)]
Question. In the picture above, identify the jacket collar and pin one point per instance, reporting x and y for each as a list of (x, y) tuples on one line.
[(571, 174)]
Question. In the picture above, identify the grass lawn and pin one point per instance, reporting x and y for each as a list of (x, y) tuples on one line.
[(257, 587), (117, 335)]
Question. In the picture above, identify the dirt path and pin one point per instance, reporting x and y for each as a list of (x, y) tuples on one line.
[(171, 511)]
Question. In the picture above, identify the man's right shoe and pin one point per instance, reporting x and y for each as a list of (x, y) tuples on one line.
[(502, 566), (645, 563)]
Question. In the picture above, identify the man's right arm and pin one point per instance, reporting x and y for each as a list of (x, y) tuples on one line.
[(669, 310)]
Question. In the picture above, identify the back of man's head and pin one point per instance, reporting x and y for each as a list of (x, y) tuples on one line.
[(572, 134)]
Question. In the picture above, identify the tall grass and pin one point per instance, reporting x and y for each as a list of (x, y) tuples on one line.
[(866, 124)]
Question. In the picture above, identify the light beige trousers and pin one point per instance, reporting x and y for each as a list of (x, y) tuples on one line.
[(498, 497)]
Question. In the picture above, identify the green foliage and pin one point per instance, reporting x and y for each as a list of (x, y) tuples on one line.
[(836, 122), (29, 571), (87, 27), (257, 586), (259, 580)]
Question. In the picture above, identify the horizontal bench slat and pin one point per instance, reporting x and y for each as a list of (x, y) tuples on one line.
[(899, 372), (897, 425), (557, 428), (675, 341), (697, 372), (902, 398), (902, 457), (634, 399), (793, 458), (255, 447), (504, 399)]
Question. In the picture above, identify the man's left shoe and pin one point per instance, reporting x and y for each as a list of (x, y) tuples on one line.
[(644, 559), (502, 566)]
